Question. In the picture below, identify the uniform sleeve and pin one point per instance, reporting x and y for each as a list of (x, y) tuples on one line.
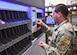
[(62, 45), (45, 28), (50, 50), (64, 42)]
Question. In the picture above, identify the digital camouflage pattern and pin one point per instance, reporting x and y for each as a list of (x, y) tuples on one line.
[(62, 37)]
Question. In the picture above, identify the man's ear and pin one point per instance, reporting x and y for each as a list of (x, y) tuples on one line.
[(59, 14)]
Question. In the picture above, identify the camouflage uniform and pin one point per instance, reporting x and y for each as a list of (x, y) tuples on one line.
[(62, 37)]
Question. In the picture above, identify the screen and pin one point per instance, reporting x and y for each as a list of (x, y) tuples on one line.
[(50, 20), (39, 15), (33, 16)]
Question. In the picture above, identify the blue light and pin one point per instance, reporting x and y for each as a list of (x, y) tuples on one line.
[(11, 6), (39, 10)]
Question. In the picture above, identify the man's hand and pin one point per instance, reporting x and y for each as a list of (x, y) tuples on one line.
[(39, 21), (42, 44)]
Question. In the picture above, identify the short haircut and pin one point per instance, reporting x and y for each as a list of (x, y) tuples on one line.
[(62, 8)]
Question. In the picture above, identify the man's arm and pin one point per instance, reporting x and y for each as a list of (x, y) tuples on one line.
[(45, 28), (48, 49), (61, 46), (65, 42)]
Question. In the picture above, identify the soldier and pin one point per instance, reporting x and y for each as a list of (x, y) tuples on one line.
[(62, 34)]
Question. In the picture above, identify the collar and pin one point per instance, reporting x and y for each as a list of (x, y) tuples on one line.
[(60, 25)]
